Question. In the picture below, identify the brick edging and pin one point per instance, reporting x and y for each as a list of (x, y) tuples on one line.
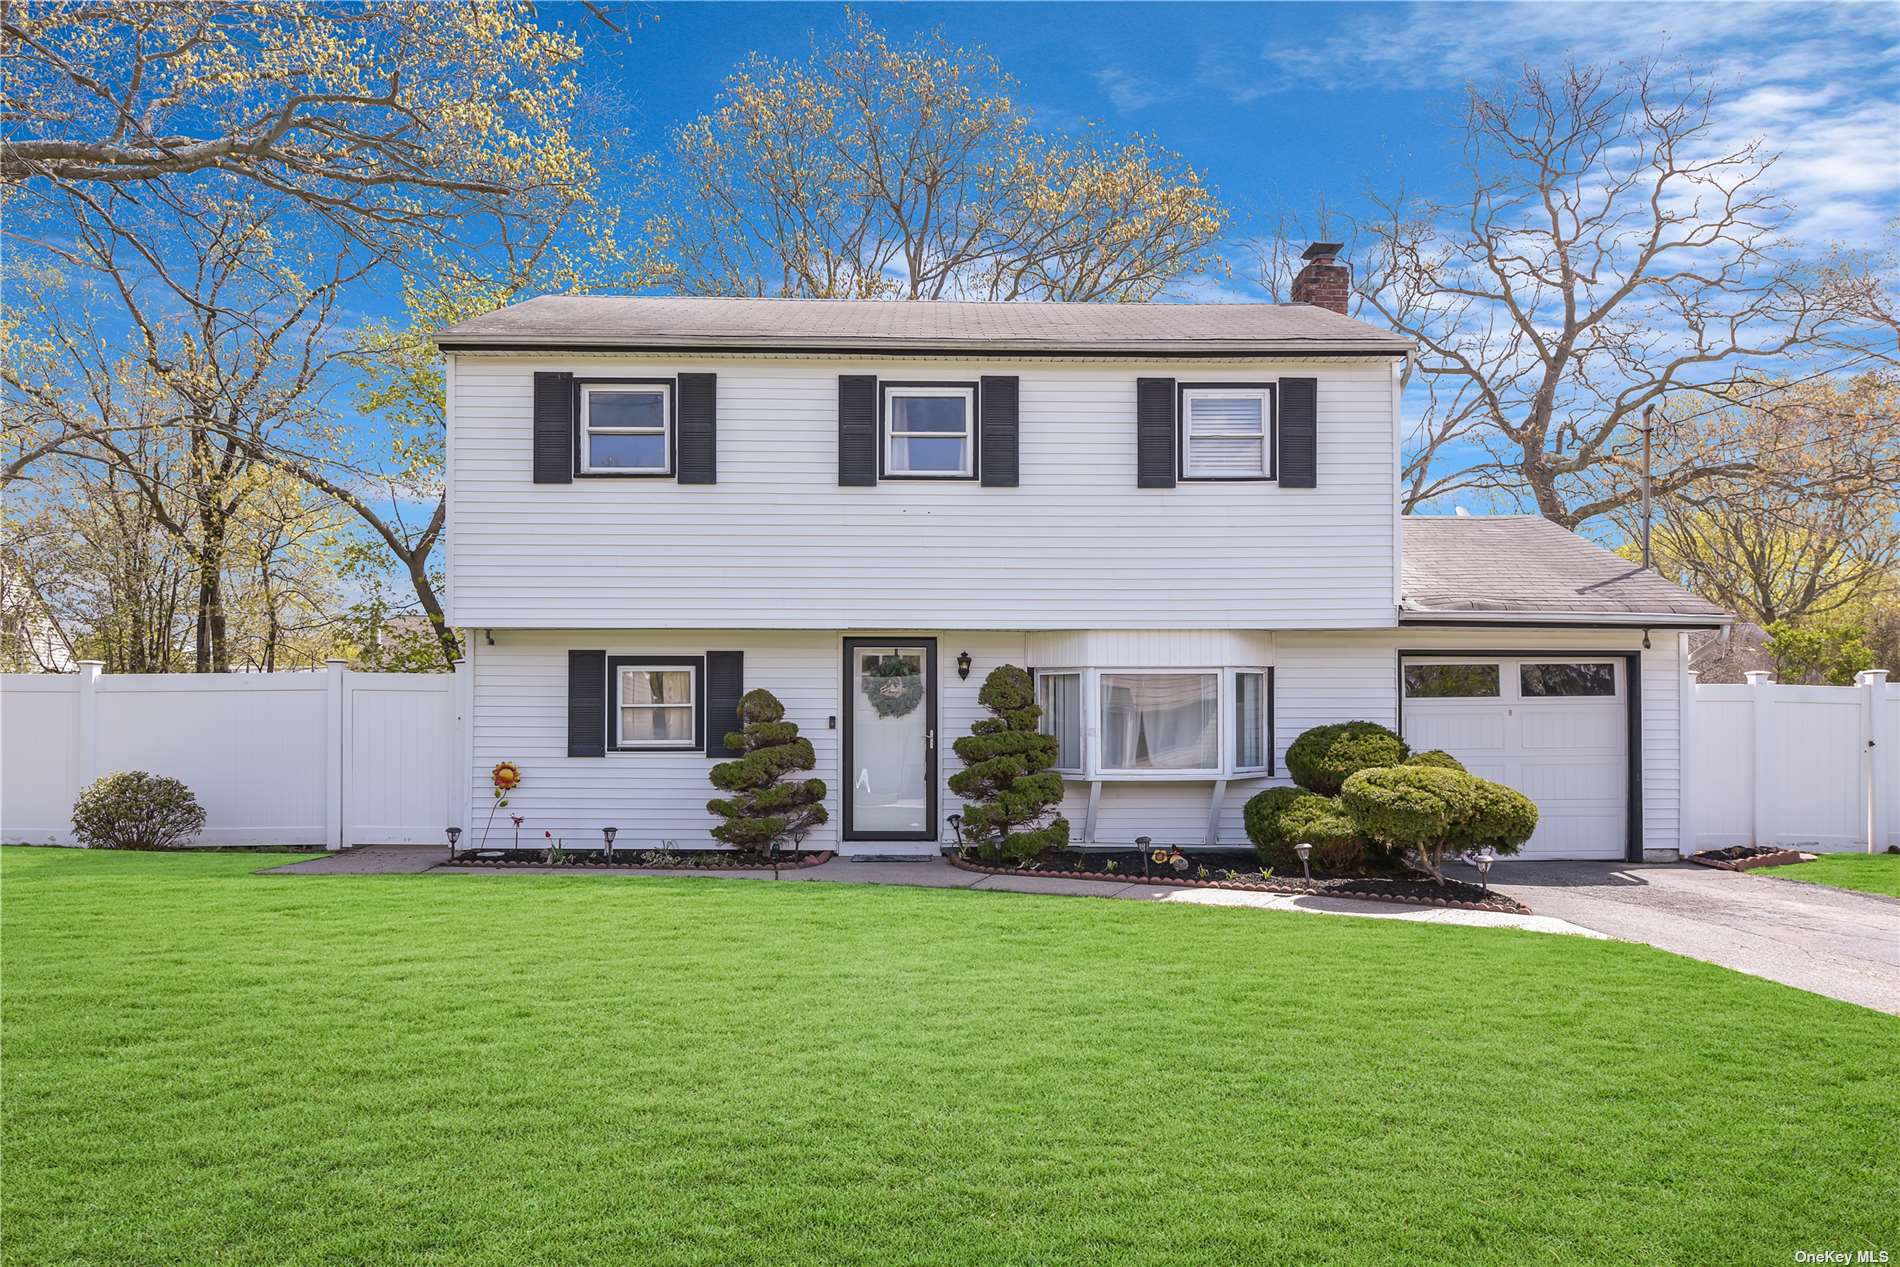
[(816, 859), (1513, 908)]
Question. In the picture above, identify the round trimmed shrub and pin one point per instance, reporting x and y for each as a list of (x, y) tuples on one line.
[(1281, 817), (1502, 821), (1411, 807), (1322, 759), (1437, 758), (1435, 811), (136, 810)]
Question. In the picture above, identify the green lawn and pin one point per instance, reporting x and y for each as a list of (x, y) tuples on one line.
[(204, 1066), (1868, 872)]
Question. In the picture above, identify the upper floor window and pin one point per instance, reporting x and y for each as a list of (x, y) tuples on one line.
[(625, 429), (929, 431), (1226, 433)]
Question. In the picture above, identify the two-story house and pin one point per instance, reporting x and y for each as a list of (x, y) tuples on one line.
[(1181, 518)]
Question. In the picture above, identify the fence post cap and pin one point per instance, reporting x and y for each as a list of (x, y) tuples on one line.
[(1760, 677), (1871, 677)]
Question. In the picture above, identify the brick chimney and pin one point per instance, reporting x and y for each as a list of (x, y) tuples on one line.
[(1324, 283)]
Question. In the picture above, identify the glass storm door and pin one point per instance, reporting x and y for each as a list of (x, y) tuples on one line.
[(890, 739)]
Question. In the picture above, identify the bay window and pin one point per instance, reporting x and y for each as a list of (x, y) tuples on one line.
[(1060, 695), (1162, 724), (1160, 721)]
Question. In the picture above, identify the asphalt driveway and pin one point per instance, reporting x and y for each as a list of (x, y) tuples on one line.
[(1828, 941)]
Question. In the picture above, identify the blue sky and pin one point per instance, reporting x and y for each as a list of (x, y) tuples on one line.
[(1284, 104)]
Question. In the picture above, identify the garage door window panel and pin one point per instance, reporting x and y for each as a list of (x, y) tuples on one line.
[(1588, 679), (1451, 681)]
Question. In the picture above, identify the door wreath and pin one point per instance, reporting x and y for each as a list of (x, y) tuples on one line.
[(894, 687)]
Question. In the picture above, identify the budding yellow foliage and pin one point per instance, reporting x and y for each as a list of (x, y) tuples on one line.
[(870, 169)]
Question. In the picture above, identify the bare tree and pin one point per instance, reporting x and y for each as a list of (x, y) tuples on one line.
[(1610, 258), (872, 170)]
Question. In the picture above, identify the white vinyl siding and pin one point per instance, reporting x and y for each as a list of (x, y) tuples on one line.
[(776, 543)]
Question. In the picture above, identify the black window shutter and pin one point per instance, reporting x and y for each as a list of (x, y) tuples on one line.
[(998, 434), (1299, 433), (1154, 433), (553, 428), (587, 703), (725, 683), (699, 429), (857, 430)]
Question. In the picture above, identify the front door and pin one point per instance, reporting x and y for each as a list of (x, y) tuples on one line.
[(890, 738)]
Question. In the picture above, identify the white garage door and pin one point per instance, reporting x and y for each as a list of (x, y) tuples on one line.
[(1551, 727)]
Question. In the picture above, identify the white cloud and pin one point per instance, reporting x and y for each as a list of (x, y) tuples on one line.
[(1129, 92), (1818, 85)]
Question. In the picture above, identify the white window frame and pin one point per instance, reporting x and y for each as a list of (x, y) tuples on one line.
[(1081, 720), (1223, 726), (893, 393), (626, 744), (1093, 771), (1191, 394), (1232, 688), (664, 430)]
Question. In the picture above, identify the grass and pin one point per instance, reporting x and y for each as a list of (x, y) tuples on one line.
[(1867, 872), (205, 1066)]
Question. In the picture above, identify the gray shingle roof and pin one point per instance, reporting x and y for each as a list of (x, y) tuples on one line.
[(587, 321), (1526, 566)]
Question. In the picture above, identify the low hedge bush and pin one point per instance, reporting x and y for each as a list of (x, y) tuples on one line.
[(1323, 758), (136, 810), (1281, 817)]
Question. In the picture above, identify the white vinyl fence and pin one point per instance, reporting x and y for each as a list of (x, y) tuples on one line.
[(323, 759), (1810, 766), (339, 758)]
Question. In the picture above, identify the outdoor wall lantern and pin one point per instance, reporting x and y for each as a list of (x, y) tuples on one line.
[(1483, 862), (607, 834), (963, 665), (1305, 851), (455, 834)]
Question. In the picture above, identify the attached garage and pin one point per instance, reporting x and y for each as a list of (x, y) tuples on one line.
[(1557, 727)]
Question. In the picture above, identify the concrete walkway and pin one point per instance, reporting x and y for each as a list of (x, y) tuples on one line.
[(936, 873), (1828, 941)]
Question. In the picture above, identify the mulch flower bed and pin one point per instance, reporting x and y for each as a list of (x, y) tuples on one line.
[(1241, 872), (635, 860), (1747, 857)]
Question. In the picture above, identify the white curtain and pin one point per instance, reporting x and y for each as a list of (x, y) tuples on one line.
[(1160, 721)]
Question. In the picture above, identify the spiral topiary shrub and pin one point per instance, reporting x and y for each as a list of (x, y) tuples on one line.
[(1281, 817), (1008, 791), (764, 814), (1437, 758), (1322, 759), (1434, 811), (136, 810)]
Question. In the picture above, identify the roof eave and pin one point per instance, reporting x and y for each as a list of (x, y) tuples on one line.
[(450, 341), (1572, 619)]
